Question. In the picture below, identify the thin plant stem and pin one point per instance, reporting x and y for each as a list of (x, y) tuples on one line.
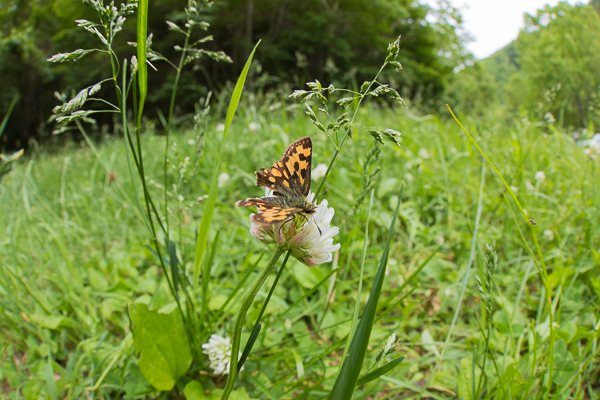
[(338, 148), (463, 286), (237, 330), (256, 328), (536, 255), (172, 99)]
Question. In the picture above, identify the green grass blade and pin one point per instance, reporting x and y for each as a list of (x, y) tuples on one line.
[(174, 265), (257, 326), (237, 92), (391, 298), (251, 340), (348, 376), (142, 34), (537, 256), (7, 114), (361, 276), (206, 270), (50, 382), (237, 330), (380, 371), (205, 221)]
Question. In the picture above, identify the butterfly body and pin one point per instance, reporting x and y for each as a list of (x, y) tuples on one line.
[(289, 180)]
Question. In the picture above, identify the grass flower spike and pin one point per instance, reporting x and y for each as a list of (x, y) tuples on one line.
[(310, 238)]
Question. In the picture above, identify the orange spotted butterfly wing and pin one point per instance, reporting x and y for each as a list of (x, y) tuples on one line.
[(289, 179)]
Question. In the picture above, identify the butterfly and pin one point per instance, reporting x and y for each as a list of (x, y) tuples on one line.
[(289, 179)]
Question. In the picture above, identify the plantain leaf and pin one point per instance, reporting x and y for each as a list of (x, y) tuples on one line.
[(162, 343)]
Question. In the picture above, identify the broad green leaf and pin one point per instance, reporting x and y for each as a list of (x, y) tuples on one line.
[(237, 92), (48, 321), (194, 391), (308, 278), (162, 343)]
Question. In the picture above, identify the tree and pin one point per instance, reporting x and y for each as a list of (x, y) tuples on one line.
[(559, 54)]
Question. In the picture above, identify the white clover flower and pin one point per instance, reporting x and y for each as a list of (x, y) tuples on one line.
[(540, 176), (223, 179), (218, 350), (309, 237), (220, 127), (253, 126), (549, 235), (319, 171), (594, 142), (592, 146), (591, 153)]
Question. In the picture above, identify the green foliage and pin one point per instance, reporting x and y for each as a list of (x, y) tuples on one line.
[(6, 161), (161, 340), (559, 51), (345, 382), (302, 41), (549, 72), (341, 42), (108, 292), (75, 254)]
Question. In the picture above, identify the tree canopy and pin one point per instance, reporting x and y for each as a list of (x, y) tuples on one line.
[(333, 41)]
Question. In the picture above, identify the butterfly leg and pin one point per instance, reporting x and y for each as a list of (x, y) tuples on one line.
[(289, 219)]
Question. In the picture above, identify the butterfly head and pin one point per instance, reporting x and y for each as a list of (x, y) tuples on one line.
[(309, 207)]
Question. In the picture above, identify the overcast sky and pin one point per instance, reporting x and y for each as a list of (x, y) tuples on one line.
[(494, 23)]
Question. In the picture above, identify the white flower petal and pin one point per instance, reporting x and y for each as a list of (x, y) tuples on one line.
[(218, 350)]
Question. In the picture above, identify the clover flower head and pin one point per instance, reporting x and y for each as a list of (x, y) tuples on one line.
[(223, 179), (592, 146), (540, 176), (594, 142), (309, 237), (253, 126), (218, 350)]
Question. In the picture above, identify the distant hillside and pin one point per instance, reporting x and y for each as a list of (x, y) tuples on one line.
[(550, 71), (503, 63)]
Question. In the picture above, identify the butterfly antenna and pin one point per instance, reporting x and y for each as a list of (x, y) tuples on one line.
[(313, 218)]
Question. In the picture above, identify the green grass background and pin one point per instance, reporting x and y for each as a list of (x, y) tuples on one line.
[(75, 252)]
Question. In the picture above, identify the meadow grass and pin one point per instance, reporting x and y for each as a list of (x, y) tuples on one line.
[(75, 253)]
